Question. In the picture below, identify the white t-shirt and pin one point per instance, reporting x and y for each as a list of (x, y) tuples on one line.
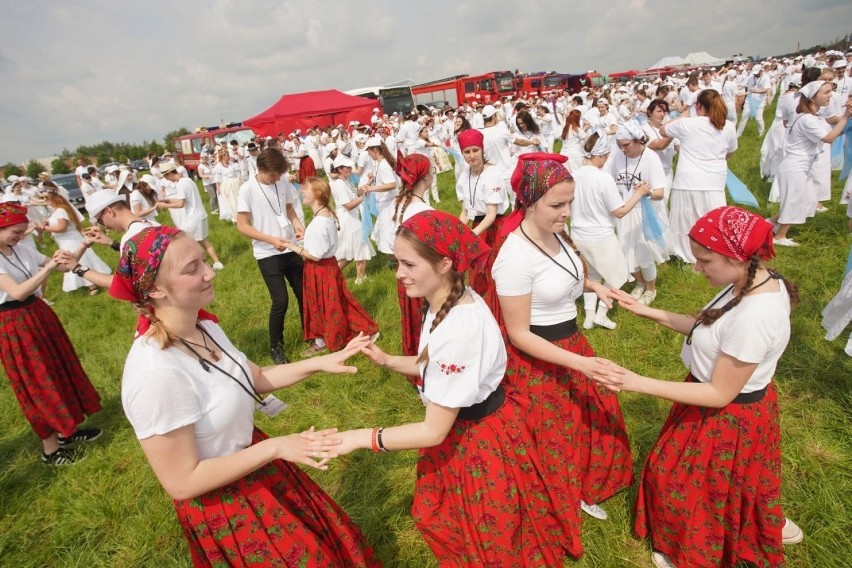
[(384, 174), (804, 135), (521, 269), (702, 165), (206, 174), (136, 198), (467, 356), (187, 217), (628, 172), (20, 266), (595, 198), (478, 192), (666, 155), (321, 237), (755, 331), (496, 147), (166, 389), (267, 205), (387, 225)]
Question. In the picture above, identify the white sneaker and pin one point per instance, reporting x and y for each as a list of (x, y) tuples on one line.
[(605, 322), (217, 266), (791, 533), (637, 292), (821, 208), (647, 297), (661, 560), (595, 511), (785, 242)]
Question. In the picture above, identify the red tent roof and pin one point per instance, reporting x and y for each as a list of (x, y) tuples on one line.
[(304, 110)]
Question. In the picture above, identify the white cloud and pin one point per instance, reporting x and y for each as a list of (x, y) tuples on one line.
[(92, 70)]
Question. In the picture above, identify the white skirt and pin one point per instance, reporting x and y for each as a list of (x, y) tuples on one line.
[(639, 252), (820, 177), (795, 192), (686, 207), (607, 259), (228, 190), (838, 313), (71, 281), (771, 151), (350, 244)]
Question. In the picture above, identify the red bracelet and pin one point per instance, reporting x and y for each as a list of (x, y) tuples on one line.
[(375, 439)]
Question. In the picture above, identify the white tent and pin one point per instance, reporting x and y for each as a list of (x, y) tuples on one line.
[(700, 58), (673, 61)]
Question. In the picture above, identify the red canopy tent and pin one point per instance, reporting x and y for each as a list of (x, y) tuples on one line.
[(304, 110)]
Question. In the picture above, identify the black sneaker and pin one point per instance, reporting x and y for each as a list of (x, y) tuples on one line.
[(81, 435), (62, 456), (277, 355)]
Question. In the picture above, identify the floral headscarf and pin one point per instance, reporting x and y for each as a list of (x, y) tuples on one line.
[(735, 233), (534, 175), (412, 169), (12, 214), (450, 238)]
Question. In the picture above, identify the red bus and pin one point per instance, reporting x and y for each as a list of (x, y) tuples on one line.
[(188, 147)]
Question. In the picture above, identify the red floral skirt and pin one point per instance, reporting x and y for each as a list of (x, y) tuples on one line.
[(571, 415), (275, 516), (482, 282), (331, 311), (479, 499), (711, 487), (46, 376)]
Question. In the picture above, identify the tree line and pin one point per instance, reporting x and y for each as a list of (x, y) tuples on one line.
[(101, 153)]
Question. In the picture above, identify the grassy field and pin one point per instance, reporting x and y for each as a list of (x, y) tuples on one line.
[(109, 510)]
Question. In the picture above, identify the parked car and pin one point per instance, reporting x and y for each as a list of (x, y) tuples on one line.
[(139, 165), (102, 168), (75, 195)]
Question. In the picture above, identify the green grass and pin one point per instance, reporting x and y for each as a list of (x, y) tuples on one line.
[(109, 510)]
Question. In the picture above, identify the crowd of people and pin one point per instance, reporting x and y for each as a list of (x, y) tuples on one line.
[(522, 430)]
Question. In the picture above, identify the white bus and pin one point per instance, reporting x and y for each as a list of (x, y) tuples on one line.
[(391, 99)]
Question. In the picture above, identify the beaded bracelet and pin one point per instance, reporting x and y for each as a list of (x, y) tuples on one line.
[(375, 439)]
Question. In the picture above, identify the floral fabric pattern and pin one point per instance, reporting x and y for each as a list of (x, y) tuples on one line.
[(710, 494)]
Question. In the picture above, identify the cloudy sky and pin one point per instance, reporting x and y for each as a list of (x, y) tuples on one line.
[(81, 72)]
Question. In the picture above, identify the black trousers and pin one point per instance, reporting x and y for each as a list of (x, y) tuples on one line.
[(275, 269)]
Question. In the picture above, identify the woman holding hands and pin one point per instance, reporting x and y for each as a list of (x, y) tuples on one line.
[(710, 493), (190, 395)]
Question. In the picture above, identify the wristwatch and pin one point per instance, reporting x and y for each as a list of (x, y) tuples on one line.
[(80, 270)]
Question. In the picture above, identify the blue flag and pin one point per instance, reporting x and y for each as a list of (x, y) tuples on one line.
[(739, 192)]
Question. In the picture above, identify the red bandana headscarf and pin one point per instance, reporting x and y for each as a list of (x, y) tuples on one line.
[(12, 214), (449, 237), (534, 175), (137, 270), (411, 169), (735, 233), (471, 137)]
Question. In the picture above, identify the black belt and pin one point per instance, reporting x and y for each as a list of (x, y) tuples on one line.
[(485, 408), (743, 397), (479, 218), (556, 331), (15, 304)]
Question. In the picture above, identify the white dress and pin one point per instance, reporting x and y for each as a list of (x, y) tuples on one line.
[(627, 172), (350, 245), (802, 147), (70, 240), (572, 148), (136, 198), (228, 190), (388, 225)]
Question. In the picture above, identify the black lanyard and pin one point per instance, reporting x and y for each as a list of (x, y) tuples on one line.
[(280, 211), (22, 268), (575, 274), (728, 308), (205, 364), (633, 175), (475, 185)]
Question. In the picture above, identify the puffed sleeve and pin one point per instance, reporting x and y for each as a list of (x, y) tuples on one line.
[(458, 357)]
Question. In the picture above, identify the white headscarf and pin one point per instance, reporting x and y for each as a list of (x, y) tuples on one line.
[(602, 146), (629, 130), (809, 90)]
